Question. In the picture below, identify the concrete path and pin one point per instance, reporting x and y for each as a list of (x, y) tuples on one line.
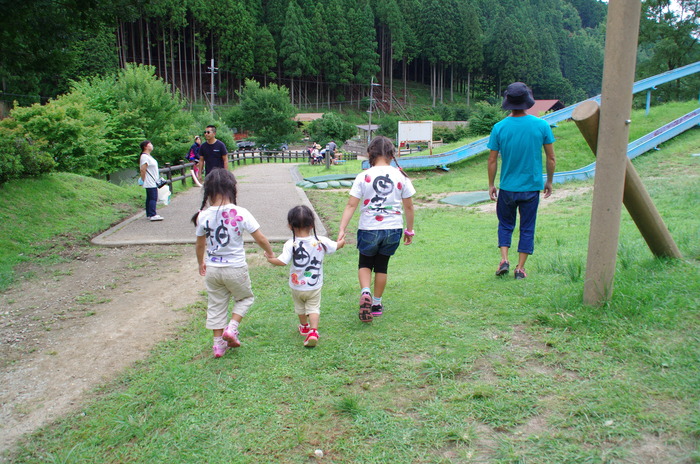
[(268, 191)]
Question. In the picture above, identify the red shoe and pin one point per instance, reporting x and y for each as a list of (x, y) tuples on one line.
[(311, 338), (304, 329)]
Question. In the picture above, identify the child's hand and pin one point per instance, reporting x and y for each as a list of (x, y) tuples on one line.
[(203, 269), (340, 244)]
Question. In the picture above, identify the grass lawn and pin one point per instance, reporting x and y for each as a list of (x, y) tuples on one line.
[(462, 367)]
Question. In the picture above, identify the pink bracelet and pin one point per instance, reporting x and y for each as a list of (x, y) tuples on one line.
[(410, 233)]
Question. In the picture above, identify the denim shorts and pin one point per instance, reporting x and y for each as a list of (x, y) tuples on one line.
[(384, 242)]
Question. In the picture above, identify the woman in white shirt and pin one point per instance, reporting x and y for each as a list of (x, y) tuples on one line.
[(149, 174)]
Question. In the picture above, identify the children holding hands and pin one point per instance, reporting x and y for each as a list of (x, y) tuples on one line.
[(305, 251)]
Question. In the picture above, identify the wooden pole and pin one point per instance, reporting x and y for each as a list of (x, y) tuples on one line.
[(616, 103), (635, 197)]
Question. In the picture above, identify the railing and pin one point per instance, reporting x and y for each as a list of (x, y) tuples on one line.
[(238, 157), (275, 155)]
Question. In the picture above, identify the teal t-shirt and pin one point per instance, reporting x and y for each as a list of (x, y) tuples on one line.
[(519, 141)]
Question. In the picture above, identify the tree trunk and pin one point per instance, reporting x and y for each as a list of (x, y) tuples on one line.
[(469, 90), (405, 81), (391, 79), (132, 51), (165, 57), (172, 59), (148, 41), (194, 63), (143, 52)]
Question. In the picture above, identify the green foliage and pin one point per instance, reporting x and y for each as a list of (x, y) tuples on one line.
[(484, 117), (202, 119), (20, 157), (96, 128), (331, 127), (265, 55), (267, 112), (448, 135), (71, 131)]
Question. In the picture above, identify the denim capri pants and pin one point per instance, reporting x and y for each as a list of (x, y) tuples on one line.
[(383, 242)]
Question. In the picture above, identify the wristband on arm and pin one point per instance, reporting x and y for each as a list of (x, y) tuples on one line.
[(409, 233)]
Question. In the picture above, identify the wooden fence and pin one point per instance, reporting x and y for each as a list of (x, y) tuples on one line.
[(180, 173)]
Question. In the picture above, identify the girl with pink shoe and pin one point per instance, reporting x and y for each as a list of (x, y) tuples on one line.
[(221, 256), (384, 194)]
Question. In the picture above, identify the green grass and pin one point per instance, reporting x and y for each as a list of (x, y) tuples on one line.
[(41, 219), (463, 366)]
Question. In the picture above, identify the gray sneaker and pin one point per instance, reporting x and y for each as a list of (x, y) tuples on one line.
[(503, 268)]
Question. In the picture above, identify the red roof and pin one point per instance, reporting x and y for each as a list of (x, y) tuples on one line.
[(543, 106)]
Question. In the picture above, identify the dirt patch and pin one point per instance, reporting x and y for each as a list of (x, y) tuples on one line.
[(75, 325)]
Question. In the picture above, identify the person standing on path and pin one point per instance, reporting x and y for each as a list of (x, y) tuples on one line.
[(212, 154), (148, 166), (519, 139)]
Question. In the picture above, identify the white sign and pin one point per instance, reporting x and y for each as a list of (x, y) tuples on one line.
[(415, 131)]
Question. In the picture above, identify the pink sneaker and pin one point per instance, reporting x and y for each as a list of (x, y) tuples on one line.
[(365, 307), (231, 336), (311, 338), (220, 347), (304, 329)]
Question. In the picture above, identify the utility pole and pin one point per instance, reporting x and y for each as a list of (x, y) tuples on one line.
[(212, 71), (372, 85)]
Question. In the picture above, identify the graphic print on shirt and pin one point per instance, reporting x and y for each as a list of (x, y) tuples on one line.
[(311, 266), (383, 186), (221, 236)]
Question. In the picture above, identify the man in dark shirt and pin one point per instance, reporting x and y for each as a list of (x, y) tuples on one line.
[(212, 154)]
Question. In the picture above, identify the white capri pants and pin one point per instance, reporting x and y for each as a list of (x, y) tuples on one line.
[(224, 283)]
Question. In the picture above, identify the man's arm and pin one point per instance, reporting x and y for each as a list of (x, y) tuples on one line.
[(225, 156), (550, 163), (492, 168)]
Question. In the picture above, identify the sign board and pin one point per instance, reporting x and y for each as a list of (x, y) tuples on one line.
[(415, 131)]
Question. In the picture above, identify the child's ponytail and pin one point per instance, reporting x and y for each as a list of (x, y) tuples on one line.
[(381, 146), (219, 183)]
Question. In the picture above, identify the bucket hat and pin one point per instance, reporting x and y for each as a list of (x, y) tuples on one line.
[(518, 96)]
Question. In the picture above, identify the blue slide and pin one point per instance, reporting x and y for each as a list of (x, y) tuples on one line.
[(635, 148)]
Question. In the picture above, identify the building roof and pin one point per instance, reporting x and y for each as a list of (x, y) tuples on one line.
[(366, 127), (542, 106), (305, 117)]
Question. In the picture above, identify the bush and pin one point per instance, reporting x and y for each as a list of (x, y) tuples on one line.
[(20, 157), (484, 117), (97, 127), (331, 127), (450, 135)]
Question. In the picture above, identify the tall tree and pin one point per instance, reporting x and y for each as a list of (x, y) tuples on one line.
[(265, 53), (295, 46)]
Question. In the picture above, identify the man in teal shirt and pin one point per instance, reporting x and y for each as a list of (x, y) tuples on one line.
[(519, 139)]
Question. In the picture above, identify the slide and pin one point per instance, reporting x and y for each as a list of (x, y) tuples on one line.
[(636, 148)]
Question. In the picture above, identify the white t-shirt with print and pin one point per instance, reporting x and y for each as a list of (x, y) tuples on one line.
[(306, 255), (151, 170), (223, 227), (381, 190)]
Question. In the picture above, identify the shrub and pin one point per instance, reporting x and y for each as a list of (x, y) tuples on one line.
[(484, 117), (331, 127), (96, 128), (20, 157)]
